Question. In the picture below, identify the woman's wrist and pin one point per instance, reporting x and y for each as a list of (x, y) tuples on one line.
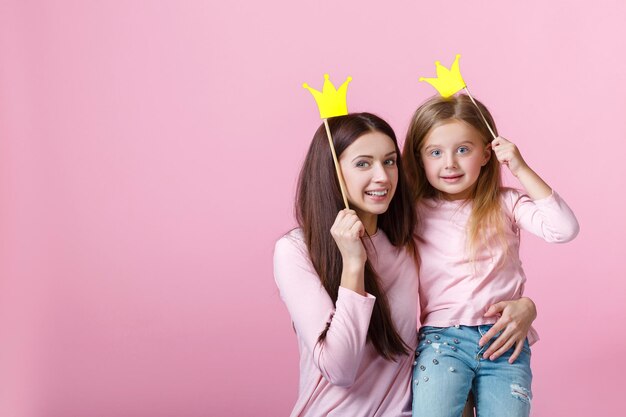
[(531, 307), (353, 277), (353, 265)]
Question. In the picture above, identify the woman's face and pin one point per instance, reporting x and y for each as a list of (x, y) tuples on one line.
[(371, 174)]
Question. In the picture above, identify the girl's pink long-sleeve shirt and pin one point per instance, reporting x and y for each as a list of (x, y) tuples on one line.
[(456, 291), (345, 376)]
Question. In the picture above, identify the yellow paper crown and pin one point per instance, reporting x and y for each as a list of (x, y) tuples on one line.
[(448, 81), (331, 102)]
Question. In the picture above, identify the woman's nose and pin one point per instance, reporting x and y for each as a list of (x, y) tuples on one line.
[(380, 173)]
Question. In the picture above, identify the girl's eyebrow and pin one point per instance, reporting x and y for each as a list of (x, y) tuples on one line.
[(371, 157), (465, 142)]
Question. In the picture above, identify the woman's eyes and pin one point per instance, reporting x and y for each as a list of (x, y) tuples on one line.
[(367, 164)]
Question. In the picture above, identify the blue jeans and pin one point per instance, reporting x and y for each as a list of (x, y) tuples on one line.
[(449, 363)]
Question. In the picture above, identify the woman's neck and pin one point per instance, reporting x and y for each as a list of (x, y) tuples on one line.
[(370, 222)]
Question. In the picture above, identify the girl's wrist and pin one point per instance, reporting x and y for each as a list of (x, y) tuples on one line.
[(523, 169)]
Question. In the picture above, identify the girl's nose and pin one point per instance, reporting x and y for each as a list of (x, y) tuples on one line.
[(450, 161)]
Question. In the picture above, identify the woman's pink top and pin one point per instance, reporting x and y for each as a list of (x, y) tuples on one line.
[(345, 376)]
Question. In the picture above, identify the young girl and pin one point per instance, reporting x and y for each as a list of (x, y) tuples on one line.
[(349, 277), (468, 240)]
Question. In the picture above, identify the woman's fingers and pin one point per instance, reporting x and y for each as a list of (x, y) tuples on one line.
[(514, 322), (518, 350), (499, 341), (347, 231), (496, 308), (344, 222), (500, 346), (357, 229), (498, 326)]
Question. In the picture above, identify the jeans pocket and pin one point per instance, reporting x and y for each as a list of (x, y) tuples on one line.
[(426, 330), (429, 335)]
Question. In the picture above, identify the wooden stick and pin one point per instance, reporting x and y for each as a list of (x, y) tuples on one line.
[(479, 111), (342, 185)]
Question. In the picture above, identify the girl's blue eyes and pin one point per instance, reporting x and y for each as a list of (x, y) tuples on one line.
[(437, 152)]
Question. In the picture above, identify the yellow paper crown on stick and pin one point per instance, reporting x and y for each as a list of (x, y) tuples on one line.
[(330, 101), (448, 81)]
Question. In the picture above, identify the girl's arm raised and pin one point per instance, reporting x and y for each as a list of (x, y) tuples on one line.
[(541, 212), (508, 154)]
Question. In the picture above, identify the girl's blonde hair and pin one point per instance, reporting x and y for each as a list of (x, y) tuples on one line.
[(486, 217)]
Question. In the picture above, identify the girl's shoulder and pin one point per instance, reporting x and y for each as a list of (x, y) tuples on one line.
[(437, 203), (438, 207), (510, 197)]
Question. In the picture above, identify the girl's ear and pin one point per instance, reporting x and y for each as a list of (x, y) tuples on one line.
[(486, 154)]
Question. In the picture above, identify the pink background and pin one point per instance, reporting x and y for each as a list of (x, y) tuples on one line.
[(148, 158)]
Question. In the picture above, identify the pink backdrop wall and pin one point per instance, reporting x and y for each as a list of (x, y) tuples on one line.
[(148, 157)]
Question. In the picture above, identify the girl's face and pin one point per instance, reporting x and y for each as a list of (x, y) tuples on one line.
[(453, 154), (371, 174)]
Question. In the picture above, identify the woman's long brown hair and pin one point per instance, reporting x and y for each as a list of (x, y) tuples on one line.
[(319, 200)]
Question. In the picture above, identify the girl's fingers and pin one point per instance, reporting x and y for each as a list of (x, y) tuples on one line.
[(504, 156)]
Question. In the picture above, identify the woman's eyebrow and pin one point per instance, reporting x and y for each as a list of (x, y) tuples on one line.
[(371, 157)]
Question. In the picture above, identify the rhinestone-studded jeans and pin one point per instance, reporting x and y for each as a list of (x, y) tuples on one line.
[(449, 363)]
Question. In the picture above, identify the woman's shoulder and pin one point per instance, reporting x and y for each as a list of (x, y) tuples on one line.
[(291, 241), (292, 263), (291, 249)]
